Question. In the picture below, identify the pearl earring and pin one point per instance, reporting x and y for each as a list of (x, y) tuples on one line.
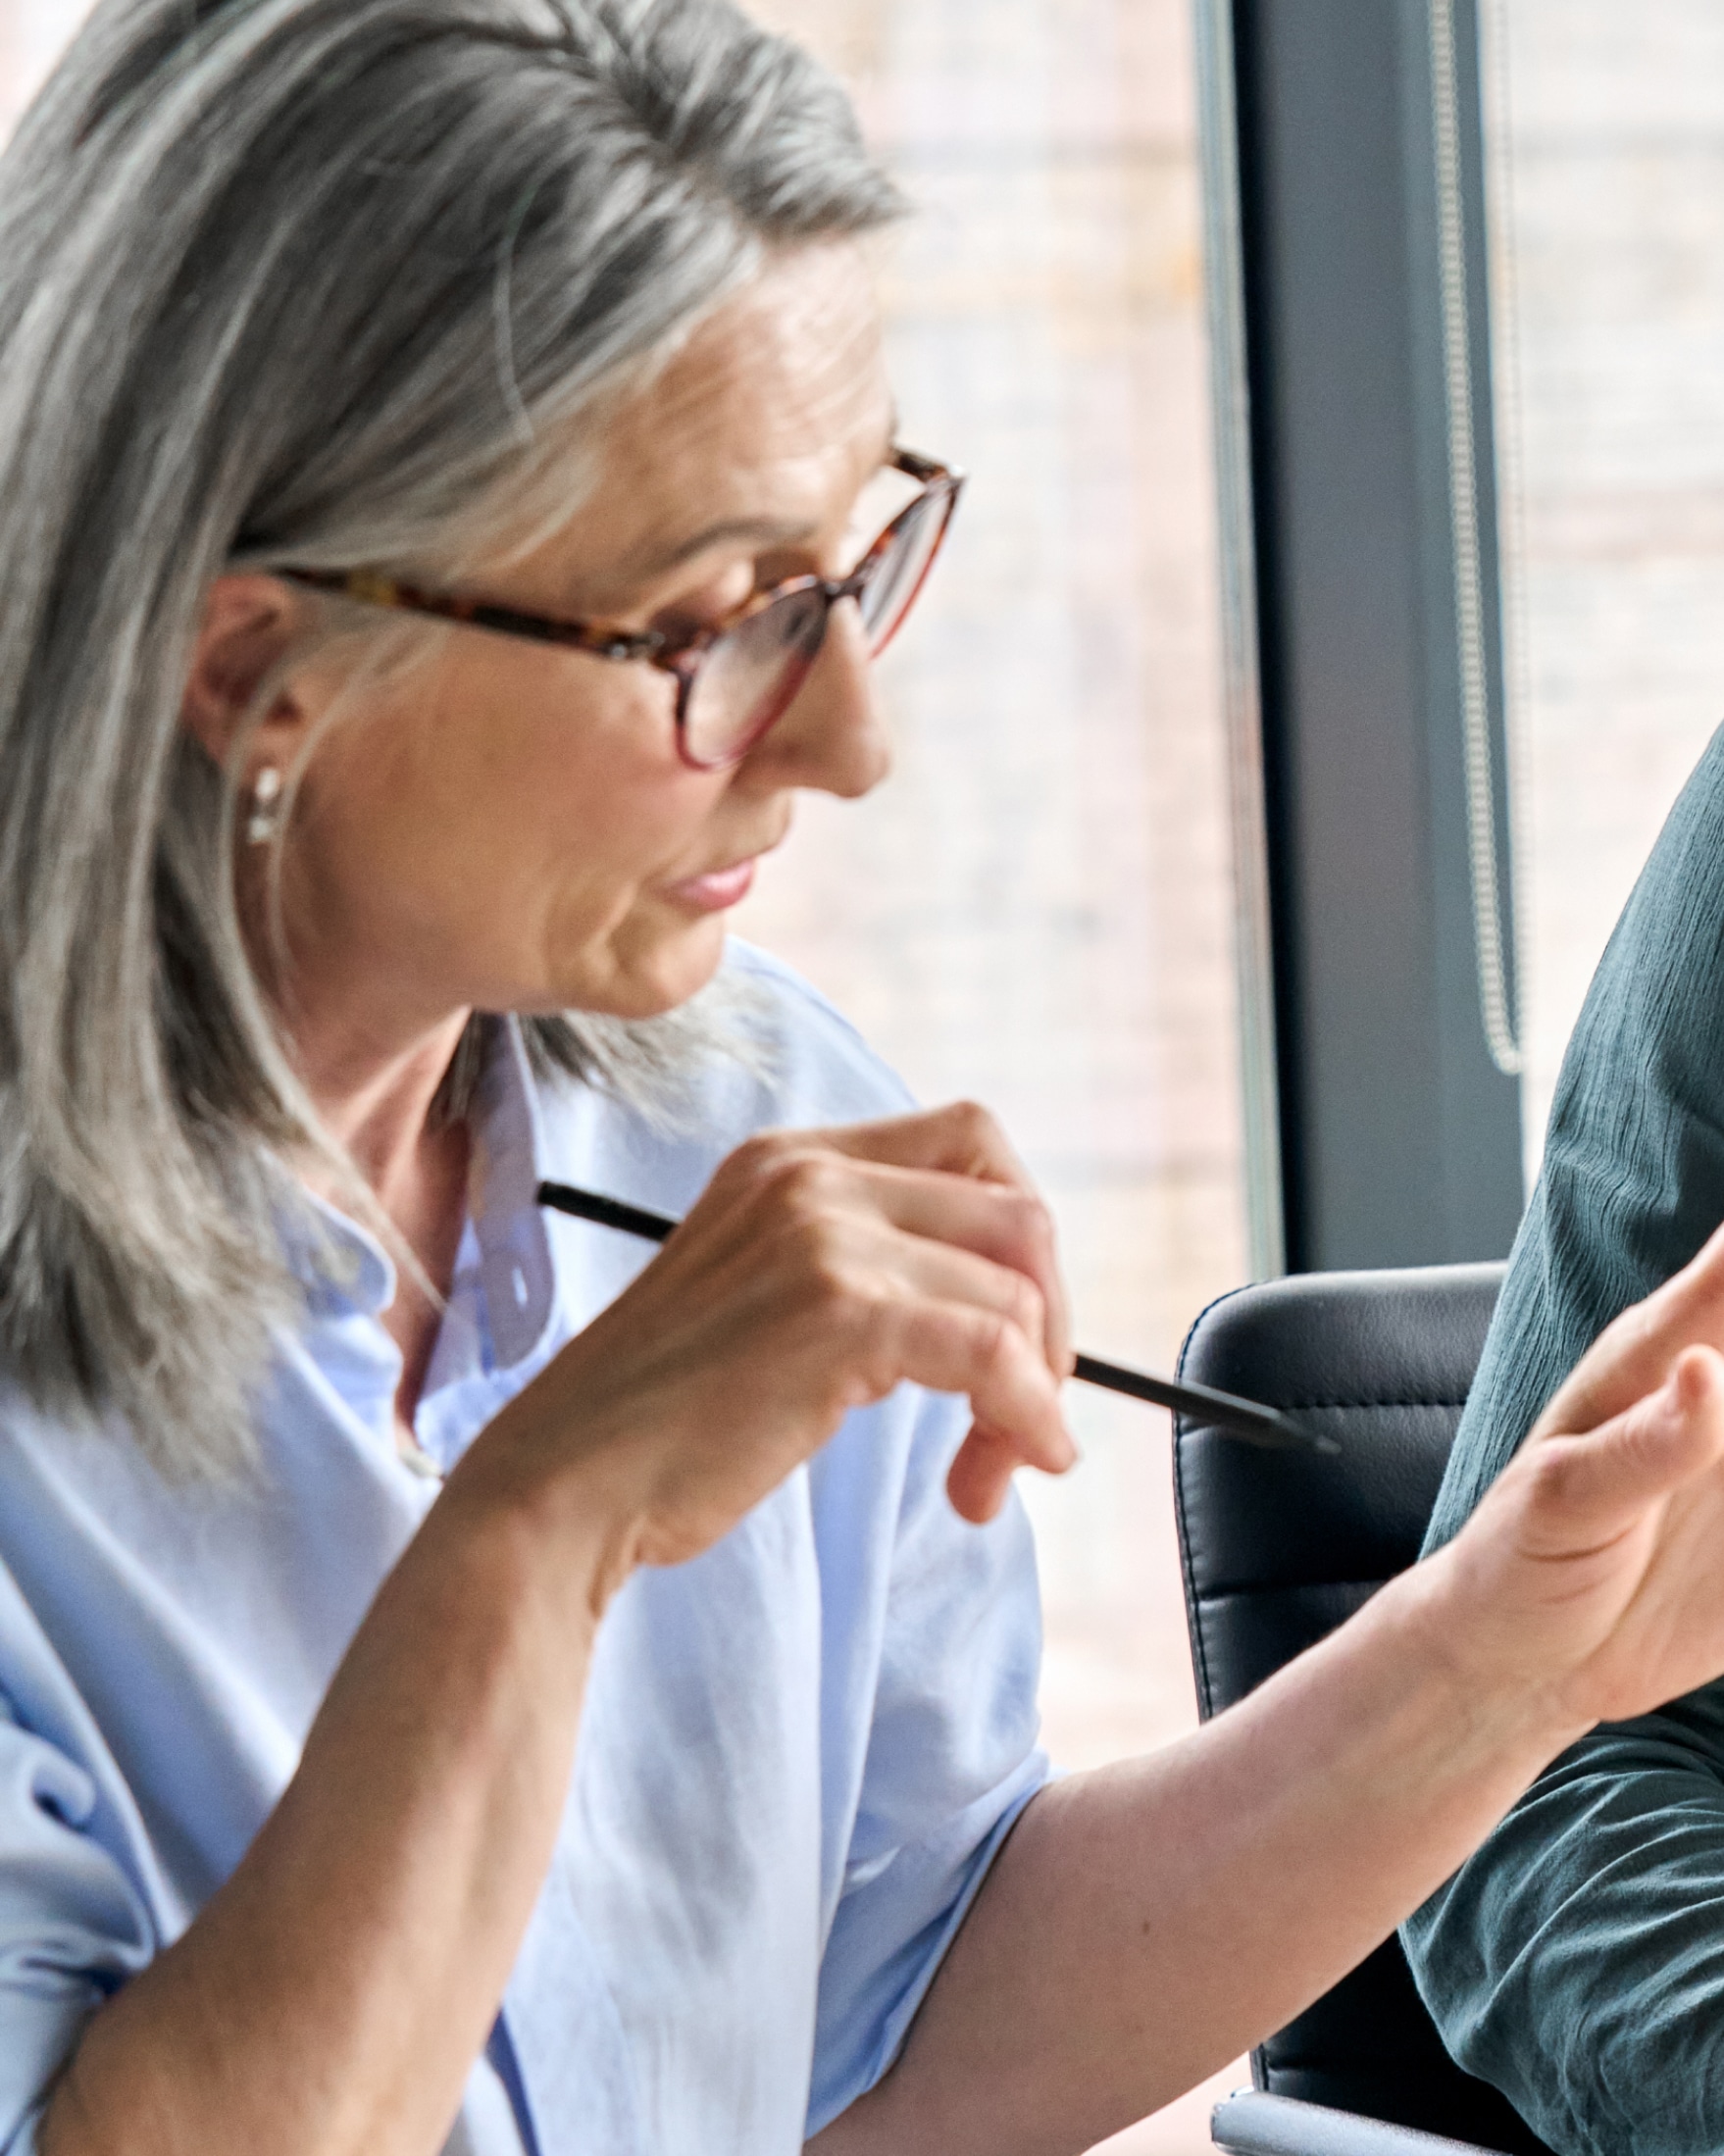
[(264, 819)]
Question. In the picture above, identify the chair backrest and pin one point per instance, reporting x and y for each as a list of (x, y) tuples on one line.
[(1280, 1547)]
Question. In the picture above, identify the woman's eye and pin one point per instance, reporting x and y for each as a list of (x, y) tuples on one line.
[(711, 603)]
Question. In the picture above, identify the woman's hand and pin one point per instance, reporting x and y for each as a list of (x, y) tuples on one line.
[(1591, 1579), (820, 1269), (1315, 1813), (391, 1884)]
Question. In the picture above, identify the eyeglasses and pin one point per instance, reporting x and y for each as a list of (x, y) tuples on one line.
[(736, 678)]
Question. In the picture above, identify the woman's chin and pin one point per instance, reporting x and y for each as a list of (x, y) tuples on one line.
[(650, 982)]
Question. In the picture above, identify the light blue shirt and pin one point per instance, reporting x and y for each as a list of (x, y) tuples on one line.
[(799, 1755)]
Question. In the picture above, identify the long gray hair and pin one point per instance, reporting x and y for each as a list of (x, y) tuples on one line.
[(308, 281)]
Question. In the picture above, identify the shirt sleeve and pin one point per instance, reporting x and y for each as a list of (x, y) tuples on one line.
[(1577, 1960), (72, 1927), (951, 1760)]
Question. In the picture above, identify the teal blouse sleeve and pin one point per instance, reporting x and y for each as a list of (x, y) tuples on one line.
[(1577, 1960)]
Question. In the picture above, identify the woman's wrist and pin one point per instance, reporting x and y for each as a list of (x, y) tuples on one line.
[(1452, 1648), (580, 1508)]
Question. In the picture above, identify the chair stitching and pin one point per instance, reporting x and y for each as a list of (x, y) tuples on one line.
[(1359, 1407), (1301, 1587), (1194, 1598)]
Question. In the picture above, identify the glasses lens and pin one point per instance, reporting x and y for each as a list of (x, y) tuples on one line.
[(902, 568), (749, 677)]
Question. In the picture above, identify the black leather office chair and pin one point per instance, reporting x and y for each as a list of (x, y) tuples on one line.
[(1279, 1548), (1256, 2125)]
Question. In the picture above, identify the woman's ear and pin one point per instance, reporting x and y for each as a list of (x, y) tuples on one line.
[(248, 629)]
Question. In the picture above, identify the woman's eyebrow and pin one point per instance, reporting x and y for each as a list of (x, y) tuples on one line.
[(655, 558)]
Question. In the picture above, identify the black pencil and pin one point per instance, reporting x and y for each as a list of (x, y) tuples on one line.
[(1250, 1419)]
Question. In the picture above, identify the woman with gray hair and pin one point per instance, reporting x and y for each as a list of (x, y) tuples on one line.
[(461, 1687)]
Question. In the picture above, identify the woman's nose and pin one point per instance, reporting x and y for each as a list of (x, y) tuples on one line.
[(833, 738)]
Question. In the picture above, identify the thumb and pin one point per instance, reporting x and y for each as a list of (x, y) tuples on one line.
[(1593, 1489)]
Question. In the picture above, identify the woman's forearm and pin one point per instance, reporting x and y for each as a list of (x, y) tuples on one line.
[(334, 1993), (1147, 1923), (1143, 1925)]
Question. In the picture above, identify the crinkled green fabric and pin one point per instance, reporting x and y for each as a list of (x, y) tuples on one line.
[(1578, 1960)]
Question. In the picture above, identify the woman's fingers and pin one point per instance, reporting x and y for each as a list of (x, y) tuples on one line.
[(1590, 1576), (1592, 1489), (1669, 1637), (965, 1348), (805, 1282), (1008, 1226), (981, 1476), (947, 1151), (947, 1318), (932, 1232), (1617, 1500), (959, 1140), (944, 1245), (818, 1272), (987, 1345), (1633, 1356)]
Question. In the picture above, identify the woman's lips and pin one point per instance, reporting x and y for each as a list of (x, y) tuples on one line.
[(716, 890)]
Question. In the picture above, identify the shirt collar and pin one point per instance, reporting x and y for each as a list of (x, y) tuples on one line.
[(345, 1270), (515, 1267), (341, 1266)]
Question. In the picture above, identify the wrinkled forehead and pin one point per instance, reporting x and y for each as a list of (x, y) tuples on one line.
[(778, 406)]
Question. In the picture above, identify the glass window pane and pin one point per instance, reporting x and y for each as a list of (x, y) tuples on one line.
[(1606, 133)]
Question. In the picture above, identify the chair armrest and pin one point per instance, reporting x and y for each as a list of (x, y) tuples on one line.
[(1251, 2123)]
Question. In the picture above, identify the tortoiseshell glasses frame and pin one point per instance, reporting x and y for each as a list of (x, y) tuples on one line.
[(737, 676)]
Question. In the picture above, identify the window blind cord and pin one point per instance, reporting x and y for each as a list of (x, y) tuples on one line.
[(1493, 909)]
